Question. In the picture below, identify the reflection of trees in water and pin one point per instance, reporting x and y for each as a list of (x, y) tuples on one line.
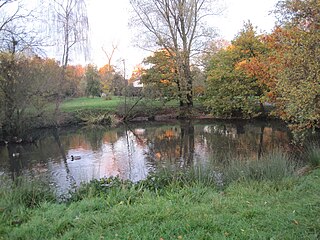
[(173, 145), (187, 143), (94, 135), (243, 140)]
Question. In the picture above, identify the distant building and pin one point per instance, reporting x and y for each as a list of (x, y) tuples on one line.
[(137, 84)]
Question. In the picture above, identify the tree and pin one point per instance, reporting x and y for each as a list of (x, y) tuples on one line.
[(73, 81), (119, 84), (93, 87), (161, 78), (26, 83), (15, 34), (297, 56), (178, 27), (107, 73), (19, 41), (231, 90), (68, 23)]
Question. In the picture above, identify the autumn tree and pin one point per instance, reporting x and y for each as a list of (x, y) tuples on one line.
[(297, 56), (74, 80), (18, 39), (178, 27), (107, 73), (231, 90), (160, 79), (67, 27)]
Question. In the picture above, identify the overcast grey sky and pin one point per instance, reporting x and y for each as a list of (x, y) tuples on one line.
[(109, 25)]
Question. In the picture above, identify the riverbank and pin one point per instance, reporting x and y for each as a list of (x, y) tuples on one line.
[(253, 209), (111, 112)]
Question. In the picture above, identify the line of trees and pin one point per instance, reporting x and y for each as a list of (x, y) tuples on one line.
[(28, 82), (279, 70)]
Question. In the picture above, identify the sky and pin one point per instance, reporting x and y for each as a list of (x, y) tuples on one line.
[(109, 20)]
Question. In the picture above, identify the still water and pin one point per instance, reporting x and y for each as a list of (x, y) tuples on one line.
[(132, 152)]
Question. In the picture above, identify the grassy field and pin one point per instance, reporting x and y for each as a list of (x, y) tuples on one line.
[(111, 105), (248, 210), (261, 202), (83, 103)]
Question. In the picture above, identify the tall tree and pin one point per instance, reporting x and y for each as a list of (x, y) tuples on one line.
[(18, 38), (160, 79), (107, 74), (297, 54), (177, 26), (68, 23)]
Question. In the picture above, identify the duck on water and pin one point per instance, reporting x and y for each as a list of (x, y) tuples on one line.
[(75, 158)]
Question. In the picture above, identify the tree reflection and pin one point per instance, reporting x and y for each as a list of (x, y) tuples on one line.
[(94, 135), (173, 145), (187, 143)]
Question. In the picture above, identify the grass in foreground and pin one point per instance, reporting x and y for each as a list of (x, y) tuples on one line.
[(252, 210), (172, 206)]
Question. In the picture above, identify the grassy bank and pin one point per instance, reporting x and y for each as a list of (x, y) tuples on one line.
[(246, 210), (257, 202), (113, 105), (134, 107)]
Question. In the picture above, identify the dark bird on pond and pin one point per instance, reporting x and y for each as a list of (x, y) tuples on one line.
[(75, 158)]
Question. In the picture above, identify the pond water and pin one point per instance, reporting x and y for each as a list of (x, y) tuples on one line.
[(132, 152)]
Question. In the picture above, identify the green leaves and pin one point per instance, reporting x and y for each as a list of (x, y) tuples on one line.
[(232, 92)]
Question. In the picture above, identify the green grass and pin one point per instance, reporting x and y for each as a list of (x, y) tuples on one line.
[(286, 209), (265, 200), (84, 103)]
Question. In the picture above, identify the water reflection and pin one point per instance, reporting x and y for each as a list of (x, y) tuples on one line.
[(131, 152)]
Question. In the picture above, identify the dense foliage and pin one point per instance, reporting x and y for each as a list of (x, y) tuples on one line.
[(281, 68), (93, 87), (297, 53), (231, 91)]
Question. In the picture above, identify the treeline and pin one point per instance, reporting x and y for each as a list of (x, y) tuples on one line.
[(32, 89), (278, 71), (238, 79), (280, 68)]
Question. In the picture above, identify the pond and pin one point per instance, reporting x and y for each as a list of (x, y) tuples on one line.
[(133, 151)]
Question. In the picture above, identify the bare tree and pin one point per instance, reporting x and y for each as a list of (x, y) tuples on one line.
[(110, 55), (70, 26), (179, 27), (19, 41), (17, 31)]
